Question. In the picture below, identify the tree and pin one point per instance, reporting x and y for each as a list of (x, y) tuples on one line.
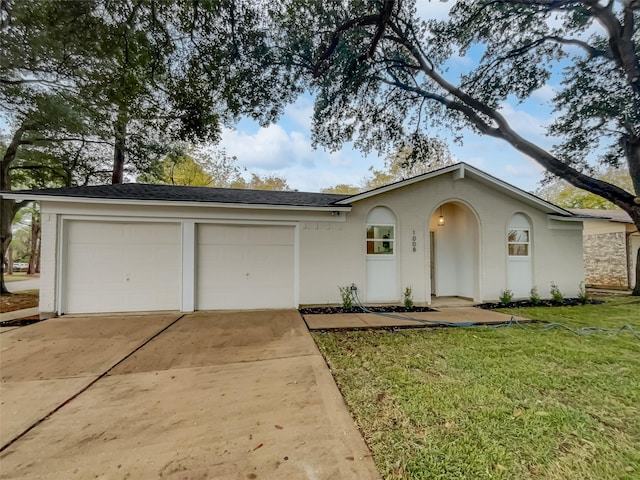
[(263, 182), (135, 76), (565, 195), (379, 72), (178, 170), (47, 148), (418, 155), (150, 72), (342, 189)]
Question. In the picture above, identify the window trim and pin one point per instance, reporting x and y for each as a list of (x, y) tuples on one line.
[(527, 243), (375, 239)]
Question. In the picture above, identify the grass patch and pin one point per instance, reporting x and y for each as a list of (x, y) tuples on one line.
[(497, 403), (19, 276)]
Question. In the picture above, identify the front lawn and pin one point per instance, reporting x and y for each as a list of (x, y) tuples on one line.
[(498, 403)]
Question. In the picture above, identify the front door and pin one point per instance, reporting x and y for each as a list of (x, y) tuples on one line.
[(382, 283)]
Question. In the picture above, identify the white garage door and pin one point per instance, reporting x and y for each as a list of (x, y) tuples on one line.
[(121, 267), (244, 266)]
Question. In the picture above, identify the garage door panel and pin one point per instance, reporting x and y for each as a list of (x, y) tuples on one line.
[(114, 267), (244, 266)]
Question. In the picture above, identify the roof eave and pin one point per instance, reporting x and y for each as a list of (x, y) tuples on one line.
[(173, 203)]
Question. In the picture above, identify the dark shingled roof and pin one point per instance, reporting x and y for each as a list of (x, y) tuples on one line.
[(177, 193)]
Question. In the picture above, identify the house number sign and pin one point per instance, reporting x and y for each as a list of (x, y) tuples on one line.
[(413, 241)]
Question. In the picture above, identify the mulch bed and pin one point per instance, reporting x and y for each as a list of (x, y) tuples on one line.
[(380, 309), (567, 302), (21, 322)]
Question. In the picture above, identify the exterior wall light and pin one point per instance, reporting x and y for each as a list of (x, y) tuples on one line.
[(441, 218)]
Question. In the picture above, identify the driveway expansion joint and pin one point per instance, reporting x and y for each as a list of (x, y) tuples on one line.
[(89, 385)]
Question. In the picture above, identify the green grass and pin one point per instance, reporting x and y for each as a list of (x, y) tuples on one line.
[(505, 403), (17, 277)]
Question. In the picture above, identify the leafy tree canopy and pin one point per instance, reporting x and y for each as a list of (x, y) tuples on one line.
[(380, 74), (209, 169), (565, 195), (146, 73), (427, 155)]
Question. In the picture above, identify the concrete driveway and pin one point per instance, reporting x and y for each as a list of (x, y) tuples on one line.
[(237, 395)]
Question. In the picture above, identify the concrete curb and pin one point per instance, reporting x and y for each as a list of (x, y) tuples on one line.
[(18, 314)]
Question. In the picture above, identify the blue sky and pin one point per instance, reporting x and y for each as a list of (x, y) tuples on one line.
[(285, 148)]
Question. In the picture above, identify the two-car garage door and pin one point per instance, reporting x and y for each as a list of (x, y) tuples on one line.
[(121, 266)]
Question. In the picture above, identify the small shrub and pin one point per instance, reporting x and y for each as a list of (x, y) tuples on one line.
[(347, 297), (534, 296), (408, 297), (583, 296), (506, 296), (556, 294)]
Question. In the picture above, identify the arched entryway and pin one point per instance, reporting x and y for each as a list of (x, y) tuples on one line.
[(455, 251)]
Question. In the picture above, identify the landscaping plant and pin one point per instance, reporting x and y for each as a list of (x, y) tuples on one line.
[(347, 297), (534, 296), (556, 294), (408, 297), (506, 296), (583, 296)]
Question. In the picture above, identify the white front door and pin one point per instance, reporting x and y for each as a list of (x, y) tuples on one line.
[(519, 256), (382, 283)]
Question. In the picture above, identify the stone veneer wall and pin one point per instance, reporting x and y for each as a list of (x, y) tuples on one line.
[(605, 260)]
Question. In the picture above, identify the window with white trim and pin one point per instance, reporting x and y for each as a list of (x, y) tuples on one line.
[(518, 242), (380, 239)]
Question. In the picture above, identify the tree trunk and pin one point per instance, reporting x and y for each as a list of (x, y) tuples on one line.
[(119, 149), (636, 288), (35, 242), (8, 208), (6, 216)]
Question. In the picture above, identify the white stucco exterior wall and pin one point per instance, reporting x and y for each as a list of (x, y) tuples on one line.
[(331, 249)]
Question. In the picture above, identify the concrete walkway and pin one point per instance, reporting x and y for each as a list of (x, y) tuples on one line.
[(18, 314), (452, 315), (22, 285), (226, 395)]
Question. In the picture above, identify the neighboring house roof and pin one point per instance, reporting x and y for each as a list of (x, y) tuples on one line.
[(619, 216), (184, 194), (230, 197), (459, 171)]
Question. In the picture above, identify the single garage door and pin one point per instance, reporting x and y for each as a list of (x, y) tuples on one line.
[(121, 267), (245, 266)]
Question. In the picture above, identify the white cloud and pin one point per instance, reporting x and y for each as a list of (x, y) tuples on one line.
[(270, 148), (525, 123), (520, 170), (544, 94), (301, 112)]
